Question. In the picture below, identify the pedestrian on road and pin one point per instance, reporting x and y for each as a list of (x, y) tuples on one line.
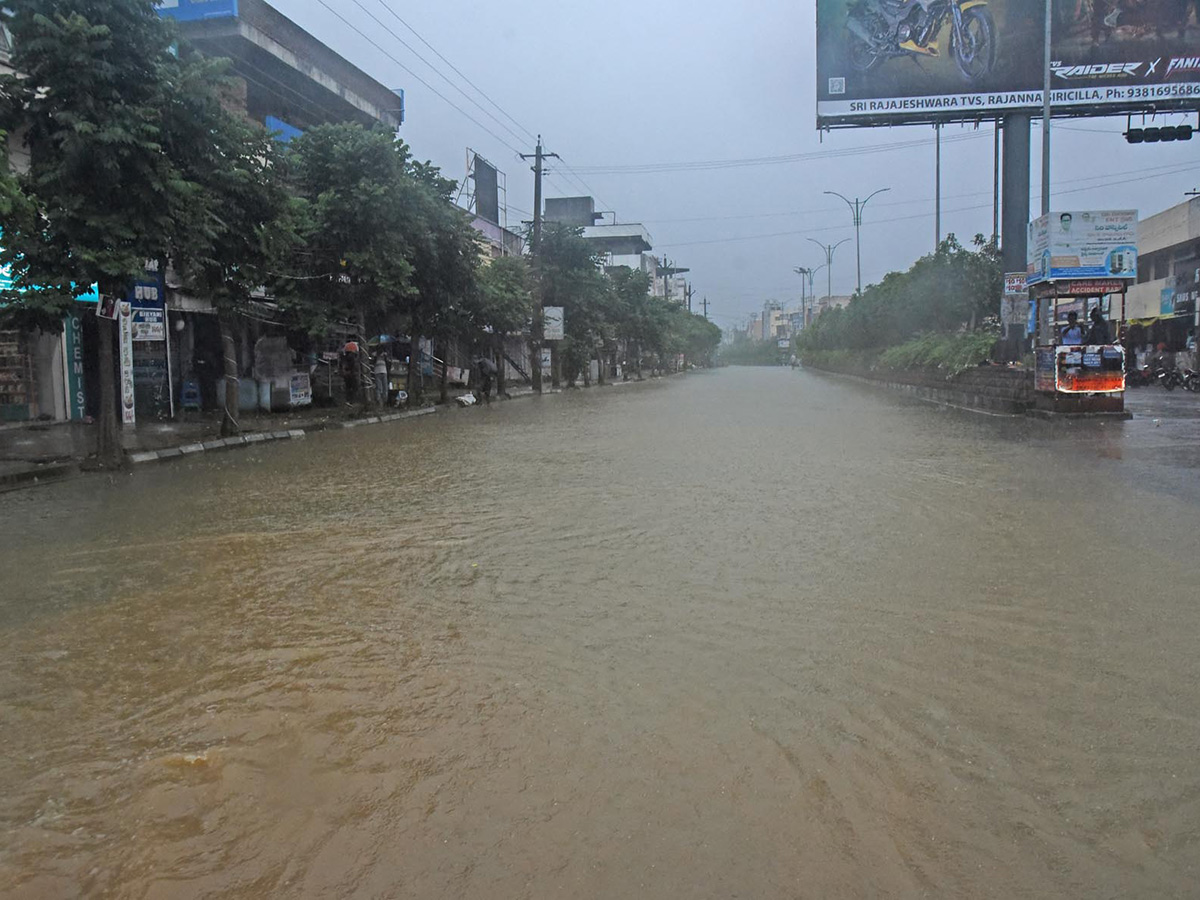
[(487, 372), (381, 376)]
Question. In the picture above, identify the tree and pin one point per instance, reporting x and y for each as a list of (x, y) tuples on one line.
[(568, 274), (357, 215), (240, 218), (106, 190), (444, 252), (502, 304)]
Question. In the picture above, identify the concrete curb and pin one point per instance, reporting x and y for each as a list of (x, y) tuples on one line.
[(263, 437), (14, 480)]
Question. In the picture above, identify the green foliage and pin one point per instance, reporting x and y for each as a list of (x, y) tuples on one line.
[(942, 292), (950, 353), (503, 299), (103, 193)]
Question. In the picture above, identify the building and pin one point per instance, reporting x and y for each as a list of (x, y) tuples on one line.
[(619, 245), (773, 323), (1162, 306)]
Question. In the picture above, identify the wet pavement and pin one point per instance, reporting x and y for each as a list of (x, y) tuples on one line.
[(749, 633)]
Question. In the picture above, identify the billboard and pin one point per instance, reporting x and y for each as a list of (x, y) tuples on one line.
[(487, 191), (194, 10), (1087, 244), (889, 61)]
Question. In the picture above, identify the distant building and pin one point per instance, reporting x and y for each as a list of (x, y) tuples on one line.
[(619, 245), (1163, 305), (773, 324)]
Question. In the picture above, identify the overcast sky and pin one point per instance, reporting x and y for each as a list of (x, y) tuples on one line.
[(633, 82)]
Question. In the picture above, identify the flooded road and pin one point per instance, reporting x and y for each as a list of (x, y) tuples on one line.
[(749, 633)]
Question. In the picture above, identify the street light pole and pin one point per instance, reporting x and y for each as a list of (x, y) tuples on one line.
[(856, 211), (829, 250)]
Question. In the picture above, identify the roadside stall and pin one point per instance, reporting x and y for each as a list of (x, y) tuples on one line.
[(1080, 266)]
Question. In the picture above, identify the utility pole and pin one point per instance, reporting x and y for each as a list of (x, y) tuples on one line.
[(856, 211), (688, 293), (705, 302), (539, 323), (996, 183), (829, 249), (937, 183)]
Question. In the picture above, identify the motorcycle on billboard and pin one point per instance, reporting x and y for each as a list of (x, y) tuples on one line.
[(878, 30)]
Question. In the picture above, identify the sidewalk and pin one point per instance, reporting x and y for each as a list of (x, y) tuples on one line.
[(37, 452)]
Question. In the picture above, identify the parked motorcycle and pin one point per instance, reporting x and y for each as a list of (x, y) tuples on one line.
[(877, 30), (1169, 378), (1191, 380)]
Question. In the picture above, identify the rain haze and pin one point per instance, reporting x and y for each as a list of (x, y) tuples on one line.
[(631, 84), (355, 545)]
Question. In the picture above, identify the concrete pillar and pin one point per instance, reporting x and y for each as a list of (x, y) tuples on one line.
[(1014, 203), (1014, 207)]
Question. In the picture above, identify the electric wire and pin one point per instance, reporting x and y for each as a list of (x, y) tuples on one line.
[(421, 80), (438, 71), (529, 134)]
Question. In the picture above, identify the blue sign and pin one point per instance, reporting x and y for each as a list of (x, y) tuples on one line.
[(195, 10), (281, 130), (6, 284)]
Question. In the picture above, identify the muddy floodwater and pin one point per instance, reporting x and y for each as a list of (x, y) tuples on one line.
[(749, 633)]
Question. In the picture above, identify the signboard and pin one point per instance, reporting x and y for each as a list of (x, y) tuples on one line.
[(300, 389), (553, 323), (72, 338), (487, 190), (783, 343), (149, 322), (194, 10), (125, 330), (1087, 244), (1090, 370), (547, 360), (1082, 287), (1014, 305), (281, 130), (1043, 371), (885, 62)]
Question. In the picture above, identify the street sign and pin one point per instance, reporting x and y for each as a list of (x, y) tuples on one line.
[(553, 329)]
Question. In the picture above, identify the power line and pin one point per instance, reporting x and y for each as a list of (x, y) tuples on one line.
[(1175, 170), (708, 165), (1171, 168), (435, 69), (457, 71), (421, 80)]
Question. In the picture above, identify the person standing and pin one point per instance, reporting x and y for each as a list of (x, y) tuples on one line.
[(1072, 332), (381, 376), (487, 373), (1098, 332)]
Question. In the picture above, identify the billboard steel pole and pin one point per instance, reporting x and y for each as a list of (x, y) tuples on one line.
[(1046, 112)]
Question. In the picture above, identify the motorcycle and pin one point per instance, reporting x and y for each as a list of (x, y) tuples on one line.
[(878, 30), (1169, 378), (1191, 380)]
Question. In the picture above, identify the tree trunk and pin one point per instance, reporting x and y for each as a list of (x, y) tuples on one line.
[(444, 388), (414, 366), (229, 421), (108, 435), (498, 353), (555, 366), (600, 367), (637, 361)]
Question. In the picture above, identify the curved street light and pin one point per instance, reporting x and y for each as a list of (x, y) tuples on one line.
[(829, 248), (856, 210)]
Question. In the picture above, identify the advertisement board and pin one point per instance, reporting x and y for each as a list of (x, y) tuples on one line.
[(195, 10), (1092, 244), (487, 190), (149, 322), (553, 323), (125, 330), (881, 61)]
